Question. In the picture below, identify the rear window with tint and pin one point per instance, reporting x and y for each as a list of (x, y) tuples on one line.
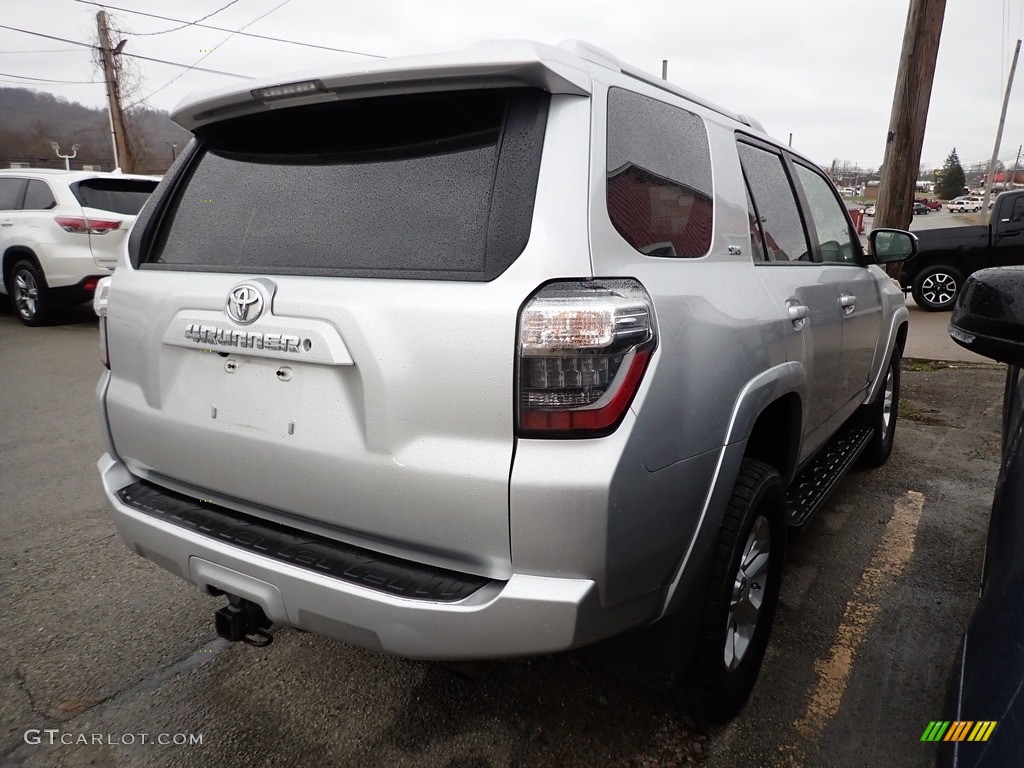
[(437, 185), (659, 176), (124, 196)]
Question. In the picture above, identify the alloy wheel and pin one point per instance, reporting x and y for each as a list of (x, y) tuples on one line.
[(939, 288), (748, 593), (26, 294)]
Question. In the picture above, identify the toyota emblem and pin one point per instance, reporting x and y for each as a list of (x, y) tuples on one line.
[(245, 303)]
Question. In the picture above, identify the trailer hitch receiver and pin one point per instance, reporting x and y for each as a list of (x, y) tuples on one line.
[(243, 620)]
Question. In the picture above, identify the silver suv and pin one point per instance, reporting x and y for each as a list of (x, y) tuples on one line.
[(493, 353)]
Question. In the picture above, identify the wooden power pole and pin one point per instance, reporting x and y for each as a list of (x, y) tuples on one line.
[(895, 207), (999, 137), (122, 148)]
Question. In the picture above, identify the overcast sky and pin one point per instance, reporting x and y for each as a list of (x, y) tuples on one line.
[(822, 70)]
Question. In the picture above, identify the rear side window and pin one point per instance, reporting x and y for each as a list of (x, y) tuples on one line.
[(124, 196), (38, 197), (659, 176), (437, 186)]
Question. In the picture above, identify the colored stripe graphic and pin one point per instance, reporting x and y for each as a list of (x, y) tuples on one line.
[(935, 731), (959, 730)]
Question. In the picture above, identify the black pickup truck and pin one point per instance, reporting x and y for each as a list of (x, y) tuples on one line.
[(946, 256)]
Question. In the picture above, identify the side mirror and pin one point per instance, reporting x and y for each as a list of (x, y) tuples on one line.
[(988, 317), (889, 246)]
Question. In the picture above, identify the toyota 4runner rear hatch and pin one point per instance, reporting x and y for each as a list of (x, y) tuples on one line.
[(328, 294)]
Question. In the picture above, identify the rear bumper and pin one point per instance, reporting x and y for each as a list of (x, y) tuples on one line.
[(525, 615)]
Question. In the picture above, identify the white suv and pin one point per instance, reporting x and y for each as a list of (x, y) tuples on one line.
[(964, 204), (60, 232)]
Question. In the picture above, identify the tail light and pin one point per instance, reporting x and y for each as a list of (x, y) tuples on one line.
[(583, 350), (79, 225), (99, 305)]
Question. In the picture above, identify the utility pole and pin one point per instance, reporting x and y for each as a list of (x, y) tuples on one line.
[(122, 149), (999, 134), (895, 207), (1016, 165), (664, 69)]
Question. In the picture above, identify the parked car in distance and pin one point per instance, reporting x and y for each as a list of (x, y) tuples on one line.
[(60, 232), (499, 370), (869, 211), (947, 255), (921, 209), (988, 674), (964, 204), (933, 205)]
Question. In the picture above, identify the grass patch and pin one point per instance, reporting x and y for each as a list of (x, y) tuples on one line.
[(925, 366)]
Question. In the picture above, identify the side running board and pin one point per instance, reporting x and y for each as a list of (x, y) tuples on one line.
[(813, 485)]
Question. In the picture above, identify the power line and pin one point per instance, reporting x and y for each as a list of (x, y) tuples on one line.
[(48, 37), (208, 53), (223, 29), (185, 24), (51, 50), (45, 80), (132, 55)]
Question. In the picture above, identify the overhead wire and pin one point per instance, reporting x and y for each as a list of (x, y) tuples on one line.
[(46, 80), (185, 24), (132, 55), (208, 53), (224, 29)]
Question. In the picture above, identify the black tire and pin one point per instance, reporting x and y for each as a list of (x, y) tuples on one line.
[(881, 416), (935, 288), (724, 671), (30, 297)]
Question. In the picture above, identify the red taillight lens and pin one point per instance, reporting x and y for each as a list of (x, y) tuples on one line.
[(89, 284), (583, 349), (79, 225)]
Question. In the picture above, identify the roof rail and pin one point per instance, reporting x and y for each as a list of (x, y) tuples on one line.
[(601, 57)]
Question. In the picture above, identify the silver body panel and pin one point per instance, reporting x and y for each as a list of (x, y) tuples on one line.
[(397, 433)]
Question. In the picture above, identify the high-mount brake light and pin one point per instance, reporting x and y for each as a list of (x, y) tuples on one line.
[(288, 90), (583, 349), (79, 225)]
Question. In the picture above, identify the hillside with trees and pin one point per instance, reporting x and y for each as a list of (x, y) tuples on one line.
[(31, 120)]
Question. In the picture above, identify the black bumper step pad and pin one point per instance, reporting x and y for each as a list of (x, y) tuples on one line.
[(327, 557), (813, 485)]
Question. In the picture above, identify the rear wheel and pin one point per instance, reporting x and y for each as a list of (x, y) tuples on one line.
[(29, 293), (935, 288), (881, 416), (742, 596)]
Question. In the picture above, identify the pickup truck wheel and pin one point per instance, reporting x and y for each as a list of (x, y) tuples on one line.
[(742, 596), (29, 294), (935, 288), (881, 416)]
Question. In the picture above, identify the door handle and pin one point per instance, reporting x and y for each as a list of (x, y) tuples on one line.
[(798, 314), (848, 303)]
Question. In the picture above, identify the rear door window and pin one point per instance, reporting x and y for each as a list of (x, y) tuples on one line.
[(10, 193), (775, 204), (437, 185)]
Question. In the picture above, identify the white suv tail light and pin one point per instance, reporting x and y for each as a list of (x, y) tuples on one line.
[(583, 350), (79, 225)]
